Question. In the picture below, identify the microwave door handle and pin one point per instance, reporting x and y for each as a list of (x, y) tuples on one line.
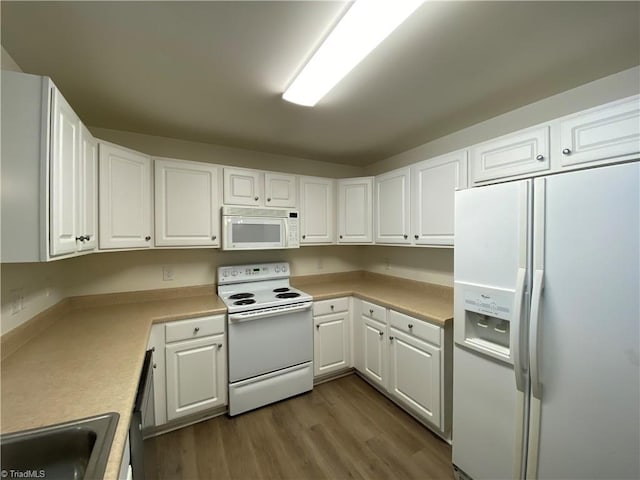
[(286, 233)]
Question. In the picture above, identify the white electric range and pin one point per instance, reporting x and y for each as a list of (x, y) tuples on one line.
[(270, 334)]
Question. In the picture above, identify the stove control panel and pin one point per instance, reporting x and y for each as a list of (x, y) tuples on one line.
[(252, 273)]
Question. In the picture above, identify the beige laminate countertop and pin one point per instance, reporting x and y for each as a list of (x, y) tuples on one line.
[(433, 303), (88, 362), (85, 357)]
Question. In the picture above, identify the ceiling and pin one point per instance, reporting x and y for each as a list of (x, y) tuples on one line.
[(214, 71)]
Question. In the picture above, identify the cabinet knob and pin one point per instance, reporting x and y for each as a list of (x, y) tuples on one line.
[(391, 339), (332, 307), (268, 199), (196, 330), (256, 198), (81, 238), (340, 236), (371, 311), (317, 327), (540, 157), (381, 333), (405, 236), (219, 346), (566, 151), (213, 237), (304, 236), (410, 325), (147, 238), (155, 365), (416, 236)]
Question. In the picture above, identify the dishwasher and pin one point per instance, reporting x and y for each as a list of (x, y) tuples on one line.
[(143, 417)]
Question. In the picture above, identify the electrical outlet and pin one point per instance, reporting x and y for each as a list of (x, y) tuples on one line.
[(167, 273)]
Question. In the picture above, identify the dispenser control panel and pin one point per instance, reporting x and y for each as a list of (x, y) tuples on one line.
[(498, 304)]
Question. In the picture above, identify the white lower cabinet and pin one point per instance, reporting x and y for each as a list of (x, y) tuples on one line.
[(414, 374), (191, 367), (406, 358), (331, 339)]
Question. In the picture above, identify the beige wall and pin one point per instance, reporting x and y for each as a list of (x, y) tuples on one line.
[(8, 63), (620, 85), (142, 270), (204, 152), (432, 265)]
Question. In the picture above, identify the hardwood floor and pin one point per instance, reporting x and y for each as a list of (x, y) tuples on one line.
[(343, 429)]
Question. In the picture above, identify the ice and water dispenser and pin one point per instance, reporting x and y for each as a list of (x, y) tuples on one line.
[(483, 319)]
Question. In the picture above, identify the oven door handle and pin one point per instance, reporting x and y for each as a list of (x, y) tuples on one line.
[(260, 314)]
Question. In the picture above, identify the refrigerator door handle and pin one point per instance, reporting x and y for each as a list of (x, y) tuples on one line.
[(536, 296), (516, 332)]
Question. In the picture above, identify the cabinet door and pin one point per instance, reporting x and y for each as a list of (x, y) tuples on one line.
[(317, 210), (375, 351), (243, 187), (610, 132), (414, 379), (355, 210), (65, 157), (518, 153), (196, 376), (125, 198), (187, 206), (392, 207), (435, 182), (331, 350), (280, 190), (88, 191)]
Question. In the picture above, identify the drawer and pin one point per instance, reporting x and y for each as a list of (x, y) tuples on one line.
[(333, 305), (415, 327), (374, 311), (194, 328)]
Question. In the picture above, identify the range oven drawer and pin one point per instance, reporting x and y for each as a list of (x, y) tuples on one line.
[(269, 388)]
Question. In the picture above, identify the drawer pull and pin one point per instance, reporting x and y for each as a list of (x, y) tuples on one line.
[(371, 311), (410, 325), (381, 333), (196, 330), (317, 327), (332, 307), (391, 339), (566, 151)]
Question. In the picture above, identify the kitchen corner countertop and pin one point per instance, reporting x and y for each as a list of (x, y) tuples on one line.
[(84, 357), (88, 362), (433, 303)]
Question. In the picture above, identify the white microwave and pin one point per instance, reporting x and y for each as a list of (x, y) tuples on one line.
[(247, 228)]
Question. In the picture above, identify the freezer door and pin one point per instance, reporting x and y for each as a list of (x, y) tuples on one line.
[(490, 305), (585, 326)]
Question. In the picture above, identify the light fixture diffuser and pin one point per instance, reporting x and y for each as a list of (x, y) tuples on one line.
[(365, 25)]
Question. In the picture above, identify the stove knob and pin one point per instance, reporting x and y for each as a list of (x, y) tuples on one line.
[(248, 271), (277, 268), (284, 268), (234, 272), (225, 273)]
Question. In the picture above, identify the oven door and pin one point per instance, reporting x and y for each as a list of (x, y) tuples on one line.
[(253, 233), (269, 340)]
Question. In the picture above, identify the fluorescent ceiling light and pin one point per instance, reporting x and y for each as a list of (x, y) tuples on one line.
[(365, 25)]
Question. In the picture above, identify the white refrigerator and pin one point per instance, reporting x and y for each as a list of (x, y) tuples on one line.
[(547, 327)]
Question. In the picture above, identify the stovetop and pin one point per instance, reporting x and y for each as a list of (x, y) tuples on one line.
[(252, 287)]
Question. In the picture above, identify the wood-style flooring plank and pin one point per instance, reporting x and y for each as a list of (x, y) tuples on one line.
[(343, 429)]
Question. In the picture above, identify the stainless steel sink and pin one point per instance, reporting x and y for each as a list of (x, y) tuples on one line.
[(71, 450)]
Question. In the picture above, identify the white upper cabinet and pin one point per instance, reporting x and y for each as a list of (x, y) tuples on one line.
[(48, 173), (607, 133), (355, 210), (88, 192), (243, 187), (65, 161), (392, 207), (255, 188), (187, 203), (125, 198), (435, 182), (317, 216), (519, 153), (280, 190)]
